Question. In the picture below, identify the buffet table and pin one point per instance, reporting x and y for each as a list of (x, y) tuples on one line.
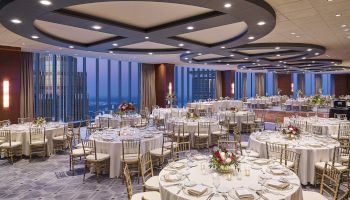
[(312, 148), (109, 142), (179, 180)]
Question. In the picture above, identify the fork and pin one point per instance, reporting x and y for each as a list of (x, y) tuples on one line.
[(272, 192)]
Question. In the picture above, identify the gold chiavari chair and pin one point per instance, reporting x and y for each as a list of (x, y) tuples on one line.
[(247, 124), (37, 142), (75, 153), (24, 120), (259, 120), (97, 161), (221, 134), (131, 155), (138, 196), (343, 135), (103, 122), (159, 154), (9, 147), (202, 135), (330, 184), (291, 159), (125, 122), (317, 130), (231, 121), (244, 145), (179, 132), (60, 142), (231, 146), (276, 151), (181, 150), (91, 127), (149, 181), (160, 123)]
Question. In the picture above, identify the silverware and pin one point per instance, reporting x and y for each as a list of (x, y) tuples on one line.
[(272, 192), (260, 194), (210, 196), (225, 196), (171, 185)]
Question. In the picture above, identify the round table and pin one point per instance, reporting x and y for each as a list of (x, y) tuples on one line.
[(199, 174), (108, 141), (330, 126), (312, 148), (115, 120), (163, 113), (20, 133), (239, 116)]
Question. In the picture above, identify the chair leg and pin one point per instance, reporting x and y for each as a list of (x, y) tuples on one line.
[(73, 166), (85, 165)]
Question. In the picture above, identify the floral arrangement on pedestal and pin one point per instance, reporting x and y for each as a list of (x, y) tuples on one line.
[(39, 121), (223, 160), (126, 107), (170, 99), (300, 93), (291, 132), (191, 115)]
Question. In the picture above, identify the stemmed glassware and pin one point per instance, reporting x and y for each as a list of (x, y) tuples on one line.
[(216, 183)]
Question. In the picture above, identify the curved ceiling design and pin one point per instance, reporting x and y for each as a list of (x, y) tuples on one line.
[(201, 31)]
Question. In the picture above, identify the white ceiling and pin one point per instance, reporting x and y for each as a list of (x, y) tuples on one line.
[(313, 20)]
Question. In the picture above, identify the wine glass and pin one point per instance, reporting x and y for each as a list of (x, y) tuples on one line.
[(248, 152), (216, 183)]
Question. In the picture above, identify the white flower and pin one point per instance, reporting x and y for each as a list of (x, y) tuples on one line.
[(222, 154), (290, 128), (228, 160)]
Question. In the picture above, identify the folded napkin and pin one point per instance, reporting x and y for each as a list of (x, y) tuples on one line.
[(244, 194), (277, 184), (277, 171), (171, 177), (197, 190), (177, 165), (261, 162), (199, 157)]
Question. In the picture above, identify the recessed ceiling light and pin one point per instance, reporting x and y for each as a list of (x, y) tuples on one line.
[(338, 15), (245, 58), (232, 55), (293, 33), (348, 36), (227, 64), (223, 47), (16, 21), (181, 45), (188, 51), (199, 54), (190, 28), (45, 2), (343, 26), (96, 27), (110, 51), (346, 30), (277, 48), (309, 49), (150, 53), (186, 58), (251, 38), (329, 0), (227, 5), (278, 55), (146, 37), (298, 36), (313, 61), (115, 44), (316, 54), (71, 47), (35, 37), (261, 23), (303, 58)]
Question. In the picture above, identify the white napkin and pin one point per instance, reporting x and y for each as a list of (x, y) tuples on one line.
[(244, 193)]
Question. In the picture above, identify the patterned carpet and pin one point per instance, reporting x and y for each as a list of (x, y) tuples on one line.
[(51, 179)]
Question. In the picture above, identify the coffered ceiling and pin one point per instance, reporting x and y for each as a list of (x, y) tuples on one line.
[(156, 31)]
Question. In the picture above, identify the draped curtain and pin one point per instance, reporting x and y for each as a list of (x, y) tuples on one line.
[(218, 84), (318, 80), (244, 86), (260, 84), (301, 81), (27, 85), (148, 89)]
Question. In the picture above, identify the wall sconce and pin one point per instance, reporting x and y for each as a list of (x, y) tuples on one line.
[(233, 88), (292, 87), (6, 93), (170, 88)]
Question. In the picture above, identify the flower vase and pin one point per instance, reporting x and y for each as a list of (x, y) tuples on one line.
[(224, 169)]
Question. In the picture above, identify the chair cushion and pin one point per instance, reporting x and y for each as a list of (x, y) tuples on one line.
[(344, 158), (80, 145), (130, 158), (152, 183), (182, 135), (320, 165), (80, 152), (60, 137), (168, 145), (38, 142), (313, 195), (290, 164), (158, 152), (100, 157), (13, 145), (219, 132), (146, 196), (252, 153), (202, 135), (244, 145)]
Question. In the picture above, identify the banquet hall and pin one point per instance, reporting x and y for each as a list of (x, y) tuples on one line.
[(175, 99)]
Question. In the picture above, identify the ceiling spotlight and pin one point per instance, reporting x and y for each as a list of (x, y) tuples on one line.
[(223, 47), (346, 30), (188, 51), (45, 2), (329, 0), (71, 47), (313, 61), (245, 58), (277, 48), (146, 37), (227, 64), (303, 58), (227, 5), (96, 27), (199, 54), (150, 53), (190, 28), (16, 21), (261, 23), (232, 55), (293, 33), (110, 51), (115, 44), (332, 62), (181, 45), (343, 26), (309, 49), (316, 54), (35, 37), (338, 15), (186, 58), (278, 55), (251, 38), (298, 36)]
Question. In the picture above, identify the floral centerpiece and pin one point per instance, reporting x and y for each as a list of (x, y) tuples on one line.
[(191, 115), (227, 98), (318, 100), (291, 132), (300, 93), (39, 121), (233, 109), (223, 160), (125, 107)]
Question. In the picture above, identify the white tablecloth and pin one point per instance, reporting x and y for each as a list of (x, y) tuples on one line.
[(217, 105), (20, 133), (114, 147), (115, 120), (240, 116), (309, 154), (329, 126), (162, 113), (297, 102), (251, 182)]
